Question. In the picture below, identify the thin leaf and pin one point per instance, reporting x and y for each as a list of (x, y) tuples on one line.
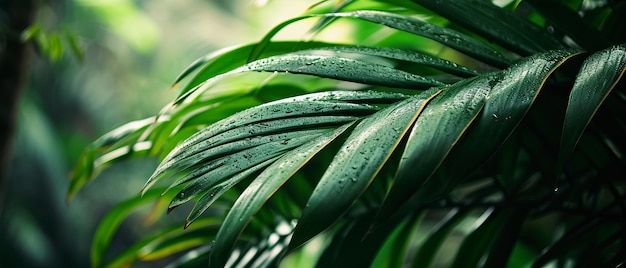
[(270, 111), (429, 248), (261, 189), (119, 142), (495, 24), (208, 175), (109, 225), (339, 68), (213, 193), (227, 59), (438, 128), (513, 92), (312, 109), (167, 242), (356, 164), (404, 55), (445, 36), (596, 79)]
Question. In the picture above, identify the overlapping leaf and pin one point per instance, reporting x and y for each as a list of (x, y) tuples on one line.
[(430, 139)]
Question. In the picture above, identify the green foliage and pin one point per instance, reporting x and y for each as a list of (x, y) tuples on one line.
[(500, 118)]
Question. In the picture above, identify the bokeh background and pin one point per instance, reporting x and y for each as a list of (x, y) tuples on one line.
[(93, 65)]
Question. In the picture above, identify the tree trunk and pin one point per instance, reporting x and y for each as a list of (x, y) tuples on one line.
[(13, 70)]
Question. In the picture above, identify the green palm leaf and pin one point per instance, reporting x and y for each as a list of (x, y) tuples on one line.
[(363, 144)]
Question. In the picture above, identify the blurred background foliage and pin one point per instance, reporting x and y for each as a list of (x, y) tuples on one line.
[(91, 66)]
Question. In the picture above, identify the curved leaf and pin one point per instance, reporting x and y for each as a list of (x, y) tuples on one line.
[(356, 164), (445, 36), (513, 92), (213, 172), (436, 130), (596, 79), (110, 223), (168, 242), (342, 69), (404, 55), (261, 189), (227, 59), (116, 144), (338, 68), (495, 24), (271, 111)]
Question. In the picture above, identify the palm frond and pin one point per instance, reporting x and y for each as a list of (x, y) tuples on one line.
[(367, 145)]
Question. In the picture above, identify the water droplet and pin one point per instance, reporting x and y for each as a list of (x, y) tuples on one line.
[(495, 116), (556, 189)]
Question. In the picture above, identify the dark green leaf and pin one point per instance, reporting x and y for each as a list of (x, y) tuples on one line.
[(404, 55), (445, 36), (108, 226), (495, 24), (596, 79), (435, 132), (262, 188), (356, 164), (568, 21), (513, 92)]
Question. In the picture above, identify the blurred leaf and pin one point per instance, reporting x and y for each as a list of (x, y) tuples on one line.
[(109, 225), (495, 24), (73, 40), (116, 144), (435, 238), (568, 21), (55, 51), (168, 242)]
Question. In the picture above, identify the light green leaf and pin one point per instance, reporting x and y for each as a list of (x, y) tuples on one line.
[(429, 248), (109, 225), (168, 242), (114, 145)]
